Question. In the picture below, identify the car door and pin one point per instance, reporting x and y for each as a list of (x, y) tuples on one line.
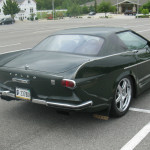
[(7, 21), (141, 49), (143, 66)]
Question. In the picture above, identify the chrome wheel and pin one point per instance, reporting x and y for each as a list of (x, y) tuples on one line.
[(123, 95)]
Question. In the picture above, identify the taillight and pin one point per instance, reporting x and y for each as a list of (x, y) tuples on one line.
[(68, 83)]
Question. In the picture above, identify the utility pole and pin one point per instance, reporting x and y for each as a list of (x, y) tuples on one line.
[(117, 6), (53, 7), (138, 2)]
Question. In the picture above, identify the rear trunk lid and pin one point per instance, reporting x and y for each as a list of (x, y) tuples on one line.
[(52, 62)]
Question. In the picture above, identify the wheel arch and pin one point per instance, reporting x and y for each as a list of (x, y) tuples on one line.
[(132, 76)]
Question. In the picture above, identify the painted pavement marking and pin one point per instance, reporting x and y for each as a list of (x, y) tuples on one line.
[(10, 45), (140, 110), (137, 138)]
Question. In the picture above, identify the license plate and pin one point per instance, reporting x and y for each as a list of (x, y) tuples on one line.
[(23, 93)]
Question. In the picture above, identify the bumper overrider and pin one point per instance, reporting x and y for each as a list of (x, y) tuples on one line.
[(80, 106)]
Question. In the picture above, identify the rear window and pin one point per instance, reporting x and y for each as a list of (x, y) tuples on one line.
[(75, 44)]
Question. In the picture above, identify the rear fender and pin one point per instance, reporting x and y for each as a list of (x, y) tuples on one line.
[(125, 74)]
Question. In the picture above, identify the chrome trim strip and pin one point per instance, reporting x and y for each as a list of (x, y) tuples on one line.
[(7, 93), (146, 77), (63, 105), (86, 104), (112, 55), (137, 64), (1, 92), (24, 81), (43, 102), (38, 101)]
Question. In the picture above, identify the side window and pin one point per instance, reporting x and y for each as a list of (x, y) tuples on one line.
[(132, 41)]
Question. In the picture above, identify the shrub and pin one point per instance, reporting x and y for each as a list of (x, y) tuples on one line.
[(145, 11), (42, 15)]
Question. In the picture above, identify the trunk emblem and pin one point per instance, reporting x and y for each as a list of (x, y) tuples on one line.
[(21, 80)]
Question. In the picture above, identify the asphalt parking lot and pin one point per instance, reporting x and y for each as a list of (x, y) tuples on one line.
[(26, 126)]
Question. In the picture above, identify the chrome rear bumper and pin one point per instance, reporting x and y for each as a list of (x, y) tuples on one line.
[(63, 105), (7, 93), (53, 104)]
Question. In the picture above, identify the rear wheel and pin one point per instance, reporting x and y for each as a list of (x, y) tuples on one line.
[(122, 98)]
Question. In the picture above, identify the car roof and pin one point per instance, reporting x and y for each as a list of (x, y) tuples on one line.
[(96, 31)]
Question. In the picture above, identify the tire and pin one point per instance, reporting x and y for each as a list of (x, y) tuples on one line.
[(122, 97)]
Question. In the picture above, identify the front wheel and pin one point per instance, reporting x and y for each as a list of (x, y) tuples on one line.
[(122, 98)]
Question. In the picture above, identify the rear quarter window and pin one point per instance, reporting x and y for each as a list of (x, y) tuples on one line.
[(132, 40)]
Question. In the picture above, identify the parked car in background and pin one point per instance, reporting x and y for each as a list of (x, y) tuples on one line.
[(92, 13), (129, 12), (7, 21)]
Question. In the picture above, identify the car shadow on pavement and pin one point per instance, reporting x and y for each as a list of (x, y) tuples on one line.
[(46, 116), (142, 101)]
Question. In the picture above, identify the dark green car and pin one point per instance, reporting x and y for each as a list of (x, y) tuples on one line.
[(89, 69)]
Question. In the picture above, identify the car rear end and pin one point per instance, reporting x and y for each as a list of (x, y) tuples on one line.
[(38, 87)]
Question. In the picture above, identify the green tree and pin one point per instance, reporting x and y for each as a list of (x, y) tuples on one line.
[(61, 4), (11, 8), (85, 9), (145, 11), (95, 5), (146, 6), (113, 9), (91, 8), (140, 9), (74, 10), (105, 7)]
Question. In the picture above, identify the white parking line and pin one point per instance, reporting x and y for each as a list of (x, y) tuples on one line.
[(140, 110), (10, 45), (143, 31), (45, 31), (55, 29), (15, 51), (138, 26), (137, 138)]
